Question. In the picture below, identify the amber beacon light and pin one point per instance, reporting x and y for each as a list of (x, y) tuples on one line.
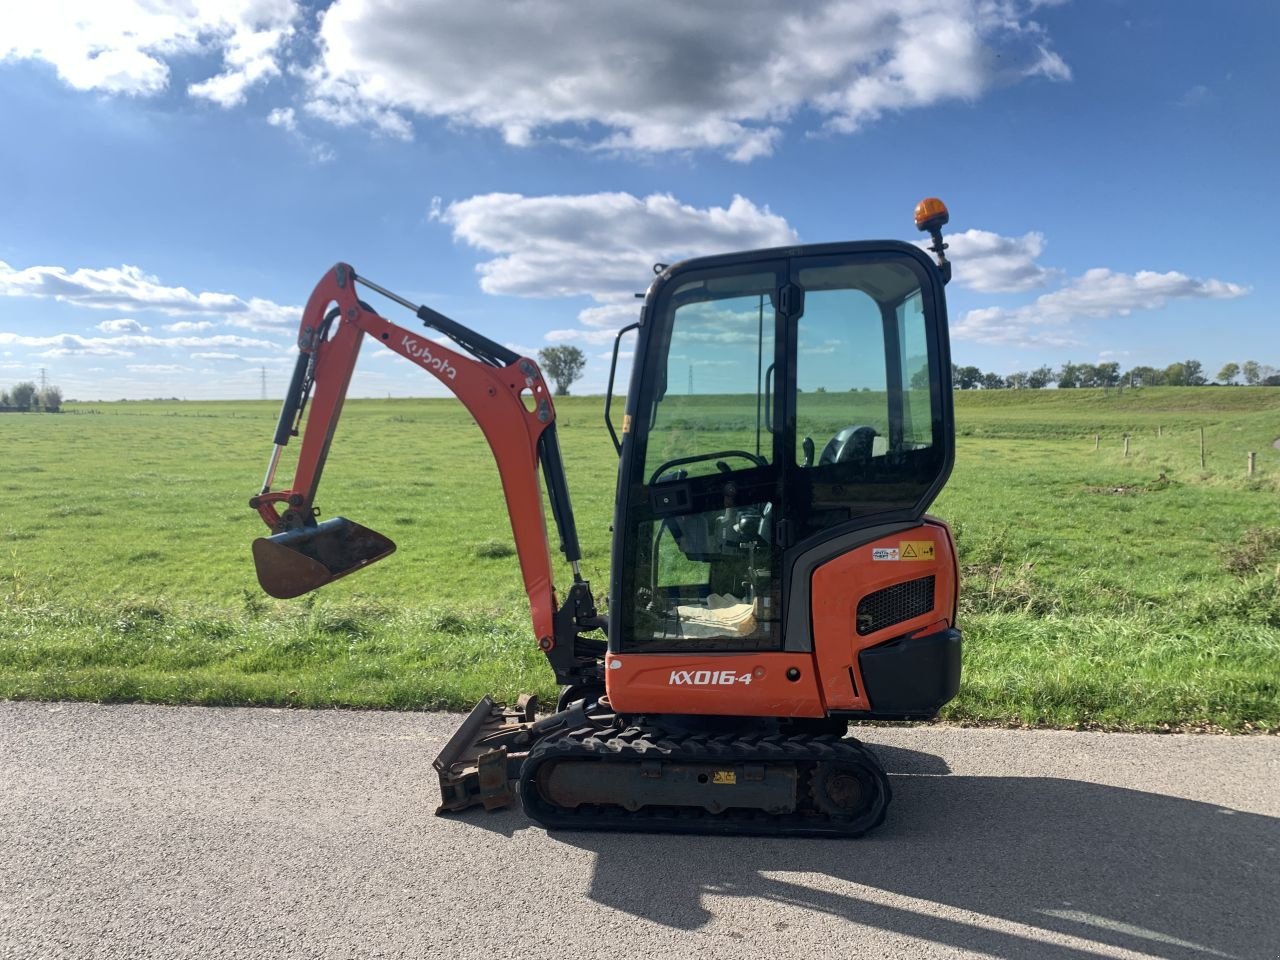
[(930, 213), (932, 216)]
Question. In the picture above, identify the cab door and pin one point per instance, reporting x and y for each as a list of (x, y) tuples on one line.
[(697, 565)]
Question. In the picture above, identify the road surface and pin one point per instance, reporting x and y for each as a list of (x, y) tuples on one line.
[(134, 831)]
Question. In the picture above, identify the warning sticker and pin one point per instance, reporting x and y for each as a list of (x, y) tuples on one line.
[(724, 776), (884, 553), (916, 550)]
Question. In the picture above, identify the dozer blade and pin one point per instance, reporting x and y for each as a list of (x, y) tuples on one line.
[(296, 562), (483, 756)]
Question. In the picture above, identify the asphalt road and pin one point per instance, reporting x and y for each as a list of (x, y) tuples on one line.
[(185, 832)]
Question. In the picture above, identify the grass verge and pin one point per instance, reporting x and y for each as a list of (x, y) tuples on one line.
[(360, 655), (1023, 666)]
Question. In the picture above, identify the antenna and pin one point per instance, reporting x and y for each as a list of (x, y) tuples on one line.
[(44, 381), (264, 382)]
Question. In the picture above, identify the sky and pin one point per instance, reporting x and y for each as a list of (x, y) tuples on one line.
[(178, 176)]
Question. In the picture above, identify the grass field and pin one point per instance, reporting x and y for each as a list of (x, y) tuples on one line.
[(1099, 590)]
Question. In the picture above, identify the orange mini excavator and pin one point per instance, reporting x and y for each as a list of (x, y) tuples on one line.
[(774, 575)]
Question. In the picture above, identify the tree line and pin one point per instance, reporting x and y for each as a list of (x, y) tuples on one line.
[(1185, 373), (26, 396)]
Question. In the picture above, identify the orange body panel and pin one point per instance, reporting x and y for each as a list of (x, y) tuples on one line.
[(729, 684), (756, 684), (839, 584)]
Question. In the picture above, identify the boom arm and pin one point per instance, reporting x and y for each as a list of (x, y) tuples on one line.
[(504, 392)]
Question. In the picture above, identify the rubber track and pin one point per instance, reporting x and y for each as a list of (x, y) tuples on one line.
[(635, 744)]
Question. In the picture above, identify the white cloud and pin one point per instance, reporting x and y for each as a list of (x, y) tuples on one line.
[(190, 326), (122, 46), (286, 118), (600, 245), (660, 76), (603, 244), (665, 75), (1096, 294), (321, 152), (128, 288), (121, 326), (990, 263), (126, 345), (157, 368), (612, 316), (283, 117)]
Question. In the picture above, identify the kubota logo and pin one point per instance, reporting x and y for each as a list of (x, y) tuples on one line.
[(421, 352), (706, 678)]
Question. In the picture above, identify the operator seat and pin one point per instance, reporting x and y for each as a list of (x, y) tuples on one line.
[(851, 445)]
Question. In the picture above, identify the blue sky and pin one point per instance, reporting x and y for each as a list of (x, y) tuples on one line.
[(179, 176)]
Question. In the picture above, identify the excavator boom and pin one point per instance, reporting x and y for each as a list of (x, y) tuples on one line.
[(503, 391)]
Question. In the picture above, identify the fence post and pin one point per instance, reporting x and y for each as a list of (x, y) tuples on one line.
[(1096, 441), (1253, 458), (1126, 445), (1202, 448)]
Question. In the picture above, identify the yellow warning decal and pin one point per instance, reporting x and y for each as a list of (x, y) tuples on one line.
[(916, 550), (724, 776), (626, 423)]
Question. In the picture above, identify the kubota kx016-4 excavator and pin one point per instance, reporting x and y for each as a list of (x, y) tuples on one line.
[(774, 575)]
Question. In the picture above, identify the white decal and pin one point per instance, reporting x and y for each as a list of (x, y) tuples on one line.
[(615, 664), (706, 678), (421, 352), (884, 553)]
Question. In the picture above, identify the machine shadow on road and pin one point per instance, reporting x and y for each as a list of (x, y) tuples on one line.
[(1142, 871)]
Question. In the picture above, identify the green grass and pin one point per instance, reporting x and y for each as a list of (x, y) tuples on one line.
[(1099, 590)]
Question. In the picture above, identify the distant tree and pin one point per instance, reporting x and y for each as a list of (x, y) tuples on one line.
[(1108, 374), (23, 394), (1040, 378), (564, 364), (1175, 375), (1195, 373), (4, 398), (1228, 373), (1145, 377), (967, 378), (1017, 381), (992, 381), (1087, 376), (51, 398), (1069, 375), (1252, 371), (920, 379)]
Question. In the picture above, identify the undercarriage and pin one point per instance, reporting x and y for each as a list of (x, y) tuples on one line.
[(587, 769)]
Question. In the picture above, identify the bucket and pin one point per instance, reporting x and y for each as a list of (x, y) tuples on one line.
[(298, 561)]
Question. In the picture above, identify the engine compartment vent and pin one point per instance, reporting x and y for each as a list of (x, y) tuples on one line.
[(896, 604)]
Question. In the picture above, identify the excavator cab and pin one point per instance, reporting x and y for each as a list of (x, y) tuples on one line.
[(789, 410)]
